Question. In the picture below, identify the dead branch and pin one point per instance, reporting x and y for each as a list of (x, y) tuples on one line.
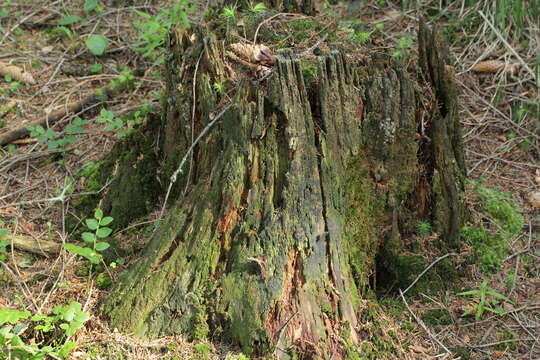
[(41, 247), (55, 116)]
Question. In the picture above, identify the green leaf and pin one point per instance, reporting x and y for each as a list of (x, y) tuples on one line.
[(103, 232), (260, 7), (98, 214), (12, 316), (90, 5), (143, 14), (470, 292), (106, 221), (96, 68), (97, 44), (87, 253), (63, 31), (66, 349), (89, 237), (68, 20), (101, 246), (92, 224)]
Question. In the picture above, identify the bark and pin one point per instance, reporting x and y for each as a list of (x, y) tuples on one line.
[(311, 180)]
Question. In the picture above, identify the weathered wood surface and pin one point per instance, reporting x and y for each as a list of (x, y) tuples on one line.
[(312, 177)]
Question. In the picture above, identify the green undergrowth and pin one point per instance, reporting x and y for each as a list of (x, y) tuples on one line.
[(490, 237), (435, 317)]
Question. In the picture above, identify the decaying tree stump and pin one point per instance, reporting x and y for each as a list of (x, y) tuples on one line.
[(312, 179)]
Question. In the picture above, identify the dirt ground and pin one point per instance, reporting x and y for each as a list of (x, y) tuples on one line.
[(499, 110)]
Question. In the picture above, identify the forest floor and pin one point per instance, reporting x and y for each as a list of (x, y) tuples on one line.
[(40, 174)]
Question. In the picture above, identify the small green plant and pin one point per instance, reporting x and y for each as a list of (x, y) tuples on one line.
[(258, 8), (92, 5), (124, 80), (358, 31), (203, 351), (114, 123), (27, 337), (14, 86), (55, 140), (219, 88), (97, 44), (96, 68), (69, 20), (510, 280), (98, 230), (63, 32), (403, 47), (423, 229), (4, 10), (485, 299), (229, 13), (4, 243), (507, 336), (154, 28)]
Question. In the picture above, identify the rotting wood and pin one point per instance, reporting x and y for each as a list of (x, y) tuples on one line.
[(40, 247), (298, 193)]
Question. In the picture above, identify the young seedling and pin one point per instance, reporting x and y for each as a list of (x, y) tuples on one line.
[(485, 299), (99, 230)]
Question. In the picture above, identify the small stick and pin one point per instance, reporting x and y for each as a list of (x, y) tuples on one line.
[(514, 52), (426, 270), (421, 323), (267, 20), (188, 152)]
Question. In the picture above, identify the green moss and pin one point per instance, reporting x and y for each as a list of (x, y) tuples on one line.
[(326, 308), (203, 351), (130, 165), (309, 66), (86, 268), (502, 222), (438, 278), (437, 317), (200, 328), (505, 335), (462, 352), (245, 312), (360, 232), (393, 307), (103, 281)]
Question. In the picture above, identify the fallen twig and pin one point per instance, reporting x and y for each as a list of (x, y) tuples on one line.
[(41, 247), (55, 116), (421, 323), (426, 270)]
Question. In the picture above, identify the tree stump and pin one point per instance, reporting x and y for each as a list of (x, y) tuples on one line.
[(309, 184)]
